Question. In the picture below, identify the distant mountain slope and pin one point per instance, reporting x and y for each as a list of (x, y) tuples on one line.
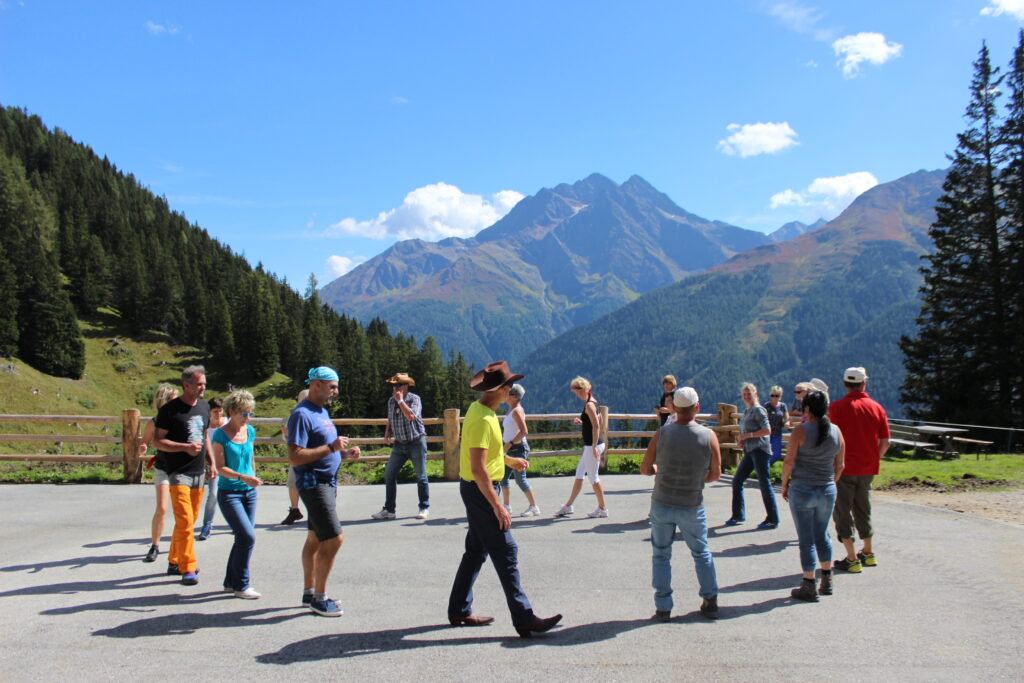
[(794, 229), (840, 295), (560, 258)]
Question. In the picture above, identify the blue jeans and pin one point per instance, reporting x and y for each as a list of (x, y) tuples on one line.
[(211, 501), (519, 450), (811, 507), (693, 525), (755, 459), (239, 510), (400, 452), (776, 440), (486, 539)]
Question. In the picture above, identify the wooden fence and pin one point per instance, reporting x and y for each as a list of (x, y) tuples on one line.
[(130, 420)]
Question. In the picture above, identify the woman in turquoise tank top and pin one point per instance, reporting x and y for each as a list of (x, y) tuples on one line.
[(236, 490)]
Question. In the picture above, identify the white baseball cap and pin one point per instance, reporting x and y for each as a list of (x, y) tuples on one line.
[(684, 397), (855, 375)]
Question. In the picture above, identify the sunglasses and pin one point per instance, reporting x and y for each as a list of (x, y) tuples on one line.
[(776, 395), (247, 414)]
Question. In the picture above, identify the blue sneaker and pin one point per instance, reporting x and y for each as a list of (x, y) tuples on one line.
[(734, 522), (325, 608), (189, 579), (172, 570), (205, 532), (306, 599), (768, 525)]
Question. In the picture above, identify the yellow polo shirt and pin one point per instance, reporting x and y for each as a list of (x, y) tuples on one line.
[(481, 429)]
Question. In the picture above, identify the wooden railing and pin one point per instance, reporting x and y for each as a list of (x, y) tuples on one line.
[(130, 440)]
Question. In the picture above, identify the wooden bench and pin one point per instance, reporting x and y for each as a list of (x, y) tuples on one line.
[(909, 437), (978, 445)]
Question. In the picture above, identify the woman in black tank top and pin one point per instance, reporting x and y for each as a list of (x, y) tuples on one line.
[(593, 447)]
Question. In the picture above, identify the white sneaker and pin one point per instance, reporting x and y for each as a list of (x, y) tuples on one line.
[(424, 514), (564, 511), (383, 514), (247, 594), (598, 512), (508, 508), (531, 511)]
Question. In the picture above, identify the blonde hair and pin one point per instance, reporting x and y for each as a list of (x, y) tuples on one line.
[(239, 401), (749, 385), (580, 383), (165, 393), (671, 379), (302, 396), (776, 389)]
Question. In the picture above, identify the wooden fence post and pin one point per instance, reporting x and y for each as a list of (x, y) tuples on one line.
[(604, 437), (730, 458), (451, 444), (130, 446)]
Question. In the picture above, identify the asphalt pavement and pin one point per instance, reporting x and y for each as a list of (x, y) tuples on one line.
[(945, 603)]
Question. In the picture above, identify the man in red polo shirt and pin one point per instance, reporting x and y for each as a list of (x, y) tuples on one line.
[(865, 428)]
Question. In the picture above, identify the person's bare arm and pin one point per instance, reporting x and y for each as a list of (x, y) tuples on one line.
[(647, 465), (715, 470), (796, 439), (167, 446), (297, 455)]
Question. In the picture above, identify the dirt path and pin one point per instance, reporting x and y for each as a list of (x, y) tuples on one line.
[(1000, 505)]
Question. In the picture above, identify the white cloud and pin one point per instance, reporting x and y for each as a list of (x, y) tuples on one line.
[(398, 99), (825, 197), (802, 19), (853, 50), (156, 29), (1015, 8), (752, 139), (339, 265), (432, 212)]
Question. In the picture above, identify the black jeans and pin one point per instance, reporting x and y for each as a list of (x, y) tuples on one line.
[(486, 539)]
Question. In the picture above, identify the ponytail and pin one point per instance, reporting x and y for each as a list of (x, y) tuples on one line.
[(816, 403)]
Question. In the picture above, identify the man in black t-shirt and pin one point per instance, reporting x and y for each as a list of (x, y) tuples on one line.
[(183, 452)]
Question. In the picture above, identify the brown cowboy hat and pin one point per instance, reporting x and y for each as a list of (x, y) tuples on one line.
[(493, 376), (401, 378)]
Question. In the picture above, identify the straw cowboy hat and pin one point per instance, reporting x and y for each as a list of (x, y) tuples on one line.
[(401, 378)]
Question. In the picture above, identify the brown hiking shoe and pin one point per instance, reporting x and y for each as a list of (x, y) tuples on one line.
[(294, 515)]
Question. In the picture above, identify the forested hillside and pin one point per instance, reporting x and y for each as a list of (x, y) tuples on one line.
[(77, 234)]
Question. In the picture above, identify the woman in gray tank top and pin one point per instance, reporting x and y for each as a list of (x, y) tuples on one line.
[(814, 461)]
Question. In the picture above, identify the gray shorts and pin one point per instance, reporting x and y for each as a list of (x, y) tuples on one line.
[(291, 478), (321, 510)]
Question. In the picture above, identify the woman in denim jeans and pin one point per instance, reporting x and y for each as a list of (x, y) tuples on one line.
[(754, 433), (236, 490), (813, 464), (514, 431)]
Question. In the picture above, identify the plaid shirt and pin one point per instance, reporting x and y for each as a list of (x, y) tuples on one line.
[(403, 429)]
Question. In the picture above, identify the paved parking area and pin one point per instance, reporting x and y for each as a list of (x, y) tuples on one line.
[(945, 603)]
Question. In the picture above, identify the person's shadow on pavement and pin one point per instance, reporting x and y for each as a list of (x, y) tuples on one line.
[(344, 645)]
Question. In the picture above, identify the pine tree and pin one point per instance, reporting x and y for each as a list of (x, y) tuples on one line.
[(8, 306), (1011, 181), (956, 368)]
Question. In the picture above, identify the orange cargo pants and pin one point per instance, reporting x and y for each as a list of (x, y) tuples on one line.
[(185, 501)]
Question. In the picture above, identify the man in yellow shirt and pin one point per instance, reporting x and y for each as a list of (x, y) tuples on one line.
[(482, 463)]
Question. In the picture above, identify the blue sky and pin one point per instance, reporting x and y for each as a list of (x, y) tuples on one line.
[(310, 136)]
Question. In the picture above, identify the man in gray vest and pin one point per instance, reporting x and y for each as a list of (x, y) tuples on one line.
[(684, 456)]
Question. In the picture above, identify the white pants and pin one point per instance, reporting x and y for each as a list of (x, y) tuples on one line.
[(590, 463)]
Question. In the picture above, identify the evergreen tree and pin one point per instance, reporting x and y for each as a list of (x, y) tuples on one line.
[(8, 306), (1012, 194), (956, 365)]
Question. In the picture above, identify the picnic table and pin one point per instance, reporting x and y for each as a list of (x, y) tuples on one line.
[(945, 435)]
